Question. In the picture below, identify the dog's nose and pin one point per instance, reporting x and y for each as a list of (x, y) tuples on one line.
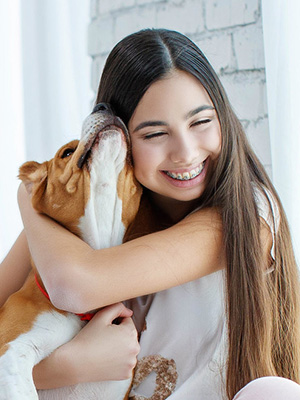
[(102, 107)]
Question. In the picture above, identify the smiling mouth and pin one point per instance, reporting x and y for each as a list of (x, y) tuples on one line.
[(186, 175)]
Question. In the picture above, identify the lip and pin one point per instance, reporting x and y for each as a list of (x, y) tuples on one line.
[(187, 183)]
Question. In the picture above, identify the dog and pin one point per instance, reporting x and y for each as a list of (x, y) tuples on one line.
[(89, 188)]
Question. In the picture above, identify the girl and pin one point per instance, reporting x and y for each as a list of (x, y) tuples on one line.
[(226, 308)]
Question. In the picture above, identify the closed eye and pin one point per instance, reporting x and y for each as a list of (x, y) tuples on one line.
[(154, 135), (201, 122)]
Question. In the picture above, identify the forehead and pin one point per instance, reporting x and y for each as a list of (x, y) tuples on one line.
[(178, 92)]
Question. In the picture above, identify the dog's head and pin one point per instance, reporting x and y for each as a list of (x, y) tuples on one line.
[(89, 182)]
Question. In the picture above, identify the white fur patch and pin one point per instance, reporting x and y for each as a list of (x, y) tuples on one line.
[(101, 225), (50, 330), (109, 390)]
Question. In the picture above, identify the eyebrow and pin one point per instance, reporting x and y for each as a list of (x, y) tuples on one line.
[(199, 109), (190, 114), (149, 123)]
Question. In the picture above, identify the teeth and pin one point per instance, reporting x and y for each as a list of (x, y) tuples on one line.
[(185, 176)]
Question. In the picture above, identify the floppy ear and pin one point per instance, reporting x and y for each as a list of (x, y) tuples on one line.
[(34, 176)]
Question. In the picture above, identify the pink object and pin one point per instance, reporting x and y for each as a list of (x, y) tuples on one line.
[(270, 387)]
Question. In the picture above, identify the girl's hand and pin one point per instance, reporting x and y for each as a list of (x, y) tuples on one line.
[(101, 351), (108, 351)]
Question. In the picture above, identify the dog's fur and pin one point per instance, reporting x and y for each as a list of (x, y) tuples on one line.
[(89, 188)]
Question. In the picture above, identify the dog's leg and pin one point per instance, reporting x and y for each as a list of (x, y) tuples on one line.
[(50, 330), (16, 373)]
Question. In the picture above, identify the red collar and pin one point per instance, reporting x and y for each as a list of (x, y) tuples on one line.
[(83, 317)]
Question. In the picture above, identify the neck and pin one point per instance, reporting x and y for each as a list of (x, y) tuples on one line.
[(176, 210)]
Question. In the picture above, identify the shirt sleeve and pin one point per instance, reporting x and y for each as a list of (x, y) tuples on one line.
[(268, 210)]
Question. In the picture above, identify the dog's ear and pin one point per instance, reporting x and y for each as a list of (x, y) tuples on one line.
[(33, 175)]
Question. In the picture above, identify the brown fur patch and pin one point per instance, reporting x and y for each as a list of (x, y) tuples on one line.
[(18, 314), (129, 191)]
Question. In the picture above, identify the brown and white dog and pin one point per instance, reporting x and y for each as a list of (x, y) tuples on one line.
[(89, 188)]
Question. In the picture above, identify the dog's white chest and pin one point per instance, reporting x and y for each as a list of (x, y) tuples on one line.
[(101, 225)]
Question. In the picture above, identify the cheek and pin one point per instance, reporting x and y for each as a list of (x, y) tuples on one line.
[(144, 161), (213, 142), (216, 143)]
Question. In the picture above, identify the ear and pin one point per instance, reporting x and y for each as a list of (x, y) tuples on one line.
[(32, 174)]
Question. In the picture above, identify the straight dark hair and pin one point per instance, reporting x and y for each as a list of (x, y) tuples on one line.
[(262, 308)]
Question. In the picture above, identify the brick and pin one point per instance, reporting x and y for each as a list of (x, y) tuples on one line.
[(186, 19), (249, 47), (259, 138), (141, 2), (247, 94), (132, 21), (181, 3), (218, 50), (100, 35), (107, 6), (227, 13)]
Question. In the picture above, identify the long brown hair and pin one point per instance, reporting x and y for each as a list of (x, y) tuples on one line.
[(262, 307)]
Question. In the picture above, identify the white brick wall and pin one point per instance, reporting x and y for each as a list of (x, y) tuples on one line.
[(187, 18), (144, 16), (249, 38), (228, 31), (222, 14)]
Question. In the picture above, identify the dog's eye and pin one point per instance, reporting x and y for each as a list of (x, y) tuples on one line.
[(67, 153)]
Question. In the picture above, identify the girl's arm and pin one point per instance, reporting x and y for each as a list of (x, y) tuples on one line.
[(101, 351), (79, 278), (14, 268)]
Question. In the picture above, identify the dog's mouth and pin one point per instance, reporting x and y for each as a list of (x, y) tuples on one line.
[(98, 132)]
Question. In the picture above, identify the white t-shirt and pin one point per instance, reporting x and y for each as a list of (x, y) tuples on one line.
[(184, 346)]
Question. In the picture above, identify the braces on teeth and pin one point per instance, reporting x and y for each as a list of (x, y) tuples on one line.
[(185, 176)]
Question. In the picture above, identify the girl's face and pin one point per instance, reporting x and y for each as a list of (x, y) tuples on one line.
[(175, 137)]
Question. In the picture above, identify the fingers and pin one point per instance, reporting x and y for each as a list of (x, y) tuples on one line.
[(110, 313), (128, 323), (110, 350), (133, 345)]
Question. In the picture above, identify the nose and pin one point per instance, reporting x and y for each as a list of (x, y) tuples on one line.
[(102, 107), (184, 150)]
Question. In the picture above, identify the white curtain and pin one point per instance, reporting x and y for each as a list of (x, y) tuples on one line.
[(282, 57), (45, 95), (12, 150)]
